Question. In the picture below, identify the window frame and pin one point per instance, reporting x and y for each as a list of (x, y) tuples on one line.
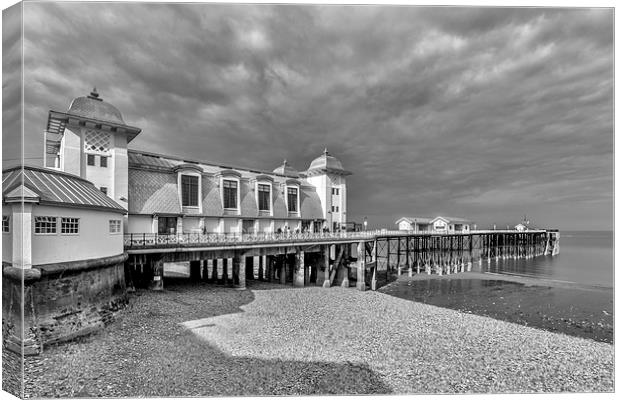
[(120, 226), (90, 157), (6, 219), (288, 205), (269, 197), (103, 160), (76, 222), (191, 177), (55, 220), (222, 185)]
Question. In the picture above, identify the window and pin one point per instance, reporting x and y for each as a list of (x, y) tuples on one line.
[(333, 208), (104, 190), (90, 159), (189, 190), (292, 199), (230, 194), (5, 224), (263, 197), (45, 225), (337, 209), (115, 226), (103, 161), (335, 191), (69, 225)]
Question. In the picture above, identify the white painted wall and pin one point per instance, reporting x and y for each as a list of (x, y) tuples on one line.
[(212, 225), (231, 225), (93, 240), (191, 225), (140, 224), (7, 238), (405, 226), (70, 151)]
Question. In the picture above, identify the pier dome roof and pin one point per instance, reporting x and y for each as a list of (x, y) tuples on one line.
[(327, 163), (287, 170), (93, 107)]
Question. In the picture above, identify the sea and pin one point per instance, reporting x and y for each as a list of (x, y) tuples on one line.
[(585, 259), (570, 293)]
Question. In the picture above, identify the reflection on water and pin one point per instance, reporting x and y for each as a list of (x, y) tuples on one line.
[(585, 258)]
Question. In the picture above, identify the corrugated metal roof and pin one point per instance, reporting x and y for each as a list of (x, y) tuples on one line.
[(55, 187)]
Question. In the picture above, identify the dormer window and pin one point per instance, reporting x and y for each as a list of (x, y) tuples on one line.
[(230, 188), (264, 197), (189, 191), (292, 195)]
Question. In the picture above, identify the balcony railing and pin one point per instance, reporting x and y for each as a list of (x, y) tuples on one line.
[(145, 240), (154, 240)]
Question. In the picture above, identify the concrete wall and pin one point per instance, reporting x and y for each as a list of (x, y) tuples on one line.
[(140, 224), (93, 241), (67, 303)]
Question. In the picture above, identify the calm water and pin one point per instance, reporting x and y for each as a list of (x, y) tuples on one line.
[(583, 308), (585, 258)]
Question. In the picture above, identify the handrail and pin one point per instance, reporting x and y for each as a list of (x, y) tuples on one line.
[(150, 240)]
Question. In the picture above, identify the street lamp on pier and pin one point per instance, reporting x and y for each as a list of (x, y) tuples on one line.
[(365, 223)]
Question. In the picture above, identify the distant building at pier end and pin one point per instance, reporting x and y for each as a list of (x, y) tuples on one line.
[(438, 224)]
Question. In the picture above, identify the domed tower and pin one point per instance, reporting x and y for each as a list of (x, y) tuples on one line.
[(329, 178), (90, 140)]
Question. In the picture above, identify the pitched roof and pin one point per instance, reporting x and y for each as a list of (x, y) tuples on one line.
[(57, 188)]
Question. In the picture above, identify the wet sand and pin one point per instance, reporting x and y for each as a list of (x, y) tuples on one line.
[(578, 310)]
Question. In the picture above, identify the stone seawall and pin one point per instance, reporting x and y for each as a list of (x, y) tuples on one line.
[(60, 301)]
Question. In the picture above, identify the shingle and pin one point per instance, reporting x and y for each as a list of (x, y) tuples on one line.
[(310, 204), (248, 200), (153, 192), (211, 200)]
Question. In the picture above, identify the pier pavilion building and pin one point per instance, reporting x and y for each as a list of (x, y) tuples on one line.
[(165, 194), (438, 224)]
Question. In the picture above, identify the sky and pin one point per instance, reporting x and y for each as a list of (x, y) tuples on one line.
[(484, 113)]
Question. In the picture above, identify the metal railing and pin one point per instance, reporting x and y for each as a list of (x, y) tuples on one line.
[(145, 240), (155, 240)]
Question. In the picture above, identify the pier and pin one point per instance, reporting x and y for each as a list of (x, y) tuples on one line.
[(324, 258)]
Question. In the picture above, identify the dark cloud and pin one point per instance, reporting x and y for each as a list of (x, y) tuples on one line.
[(487, 113)]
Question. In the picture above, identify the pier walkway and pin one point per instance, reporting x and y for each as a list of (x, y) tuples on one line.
[(324, 258)]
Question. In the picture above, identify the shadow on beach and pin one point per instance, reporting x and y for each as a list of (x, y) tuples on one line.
[(577, 311), (147, 352)]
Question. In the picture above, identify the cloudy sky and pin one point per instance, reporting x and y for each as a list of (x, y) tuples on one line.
[(488, 114)]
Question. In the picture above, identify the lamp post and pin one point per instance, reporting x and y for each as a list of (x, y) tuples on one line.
[(365, 223)]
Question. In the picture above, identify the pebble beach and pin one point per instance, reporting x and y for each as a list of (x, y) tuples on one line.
[(195, 339)]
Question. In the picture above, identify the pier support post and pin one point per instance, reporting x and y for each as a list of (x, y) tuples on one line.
[(326, 271), (238, 272), (157, 265), (300, 269), (373, 281), (361, 267)]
